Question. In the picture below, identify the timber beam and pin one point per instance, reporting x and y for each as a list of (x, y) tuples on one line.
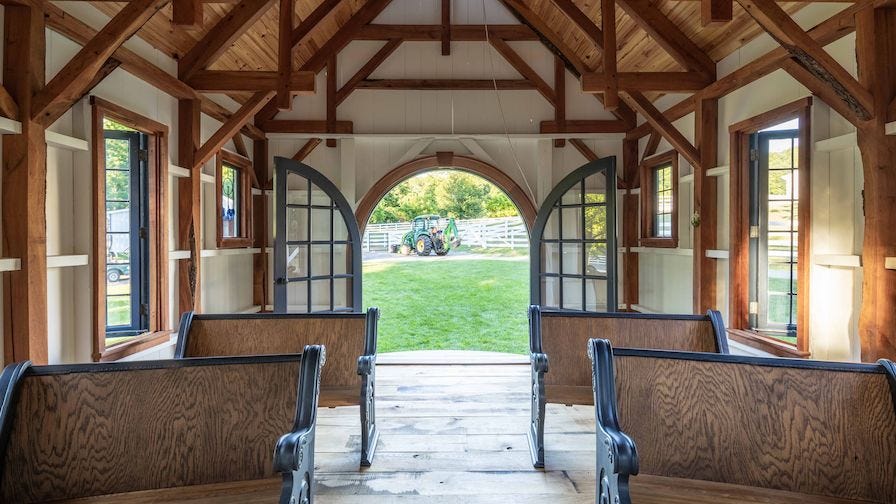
[(306, 149), (223, 81), (284, 55), (187, 14), (810, 54), (597, 82), (308, 24), (836, 27), (523, 68), (663, 126), (232, 127), (189, 209), (433, 33), (365, 71), (70, 83)]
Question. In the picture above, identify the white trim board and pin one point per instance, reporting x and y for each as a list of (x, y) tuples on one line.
[(10, 264), (66, 261), (847, 141), (838, 260), (663, 251), (228, 252), (9, 126), (66, 142)]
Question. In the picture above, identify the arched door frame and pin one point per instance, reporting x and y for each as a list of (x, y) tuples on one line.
[(446, 160), (606, 165), (281, 167)]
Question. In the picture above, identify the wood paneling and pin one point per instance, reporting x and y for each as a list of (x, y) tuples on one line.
[(826, 432), (97, 432), (564, 339), (343, 338)]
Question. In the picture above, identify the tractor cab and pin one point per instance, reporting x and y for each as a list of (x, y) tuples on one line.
[(427, 235)]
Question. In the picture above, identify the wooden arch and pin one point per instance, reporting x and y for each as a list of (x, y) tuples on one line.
[(446, 160)]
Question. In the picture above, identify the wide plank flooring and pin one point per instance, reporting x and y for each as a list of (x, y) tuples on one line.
[(457, 433)]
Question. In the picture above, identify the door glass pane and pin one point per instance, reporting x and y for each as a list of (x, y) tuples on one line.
[(297, 261), (552, 227), (572, 258), (596, 222), (572, 294), (550, 258), (572, 223), (296, 224), (597, 259), (595, 295), (550, 292), (320, 224)]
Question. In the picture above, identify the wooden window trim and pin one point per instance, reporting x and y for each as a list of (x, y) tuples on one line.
[(244, 166), (739, 251), (159, 323), (646, 170)]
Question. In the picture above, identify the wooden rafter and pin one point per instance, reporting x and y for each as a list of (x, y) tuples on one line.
[(447, 84), (653, 144), (70, 83), (581, 20), (528, 73), (433, 33), (611, 81), (833, 29), (216, 111), (560, 93), (372, 64), (316, 16), (306, 149), (221, 36), (583, 149), (716, 12), (556, 45), (446, 27), (669, 36), (187, 14), (243, 80), (284, 53), (8, 106), (346, 34), (640, 103), (596, 82), (240, 145), (810, 54), (821, 89), (231, 127)]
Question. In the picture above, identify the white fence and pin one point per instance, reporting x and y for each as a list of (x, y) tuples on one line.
[(502, 232)]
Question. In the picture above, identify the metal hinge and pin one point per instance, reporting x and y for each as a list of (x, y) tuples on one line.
[(143, 155), (754, 231), (753, 155), (142, 233), (754, 307), (144, 309)]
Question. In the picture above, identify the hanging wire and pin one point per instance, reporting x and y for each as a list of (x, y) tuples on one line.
[(491, 62)]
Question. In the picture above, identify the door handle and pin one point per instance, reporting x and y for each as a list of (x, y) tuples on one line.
[(280, 281)]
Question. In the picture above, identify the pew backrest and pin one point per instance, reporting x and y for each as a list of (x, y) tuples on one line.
[(812, 427), (346, 336), (562, 335), (73, 431)]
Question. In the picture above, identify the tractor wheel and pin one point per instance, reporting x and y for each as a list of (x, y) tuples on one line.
[(442, 252), (424, 245)]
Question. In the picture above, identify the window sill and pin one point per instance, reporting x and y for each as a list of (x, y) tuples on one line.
[(766, 344), (133, 346), (224, 243), (658, 242)]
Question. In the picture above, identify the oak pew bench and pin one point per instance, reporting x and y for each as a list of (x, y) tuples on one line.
[(724, 429), (558, 337), (350, 338), (176, 431)]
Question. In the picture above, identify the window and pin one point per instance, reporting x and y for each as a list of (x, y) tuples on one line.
[(774, 240), (659, 201), (127, 220), (769, 241), (130, 248), (233, 193)]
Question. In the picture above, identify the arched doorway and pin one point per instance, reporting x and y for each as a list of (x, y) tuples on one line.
[(446, 160), (474, 298)]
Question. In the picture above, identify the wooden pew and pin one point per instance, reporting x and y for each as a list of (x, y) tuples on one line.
[(350, 338), (725, 429), (561, 335), (152, 431)]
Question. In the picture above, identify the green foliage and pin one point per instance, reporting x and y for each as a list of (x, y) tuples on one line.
[(448, 193), (483, 307)]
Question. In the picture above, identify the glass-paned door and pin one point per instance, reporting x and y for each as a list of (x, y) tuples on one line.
[(317, 244), (127, 220), (573, 247), (774, 233)]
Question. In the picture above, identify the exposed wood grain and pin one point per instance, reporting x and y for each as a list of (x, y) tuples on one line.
[(24, 191), (663, 126), (343, 338), (875, 51), (446, 27), (231, 127), (71, 81), (312, 20), (810, 54), (284, 53), (148, 429), (8, 106), (346, 33), (583, 149), (564, 339), (228, 81), (189, 210), (629, 228), (433, 33), (306, 149), (820, 432), (716, 11), (220, 37), (594, 82), (706, 136), (187, 14)]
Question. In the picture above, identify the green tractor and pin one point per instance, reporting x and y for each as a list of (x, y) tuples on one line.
[(426, 235)]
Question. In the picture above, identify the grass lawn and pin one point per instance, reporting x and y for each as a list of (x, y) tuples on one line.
[(430, 303)]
